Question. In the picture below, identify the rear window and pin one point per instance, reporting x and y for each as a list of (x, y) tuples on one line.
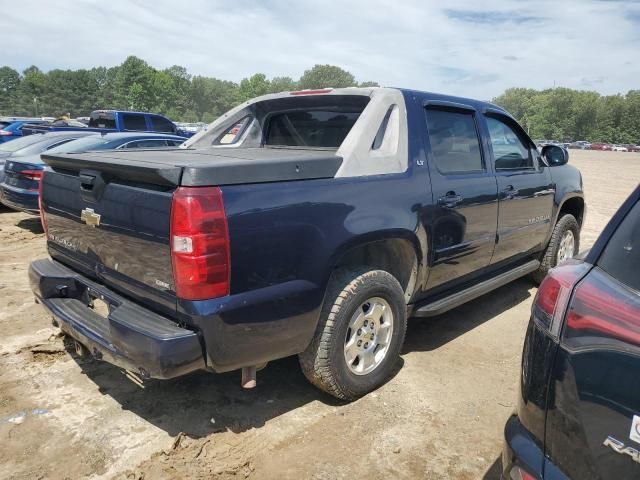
[(621, 257), (22, 142), (325, 128), (4, 124), (102, 120)]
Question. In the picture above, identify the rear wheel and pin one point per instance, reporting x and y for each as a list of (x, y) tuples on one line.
[(564, 244), (359, 335)]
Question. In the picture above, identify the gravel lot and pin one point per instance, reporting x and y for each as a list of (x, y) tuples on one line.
[(441, 416)]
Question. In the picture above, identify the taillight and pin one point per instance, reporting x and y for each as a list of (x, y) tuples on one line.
[(553, 295), (5, 133), (34, 175), (602, 308), (199, 243), (518, 473), (40, 204)]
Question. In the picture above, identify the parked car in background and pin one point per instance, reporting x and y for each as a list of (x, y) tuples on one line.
[(326, 219), (619, 148), (109, 121), (580, 144), (19, 188), (578, 414), (12, 129), (635, 148), (601, 146), (35, 145)]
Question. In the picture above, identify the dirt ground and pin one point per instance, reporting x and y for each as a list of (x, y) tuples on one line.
[(441, 416)]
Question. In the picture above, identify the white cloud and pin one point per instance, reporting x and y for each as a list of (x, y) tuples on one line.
[(458, 48)]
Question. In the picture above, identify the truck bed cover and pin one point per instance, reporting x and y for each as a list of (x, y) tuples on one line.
[(204, 167)]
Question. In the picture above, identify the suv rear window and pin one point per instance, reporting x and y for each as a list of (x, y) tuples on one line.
[(322, 128), (621, 256), (102, 120)]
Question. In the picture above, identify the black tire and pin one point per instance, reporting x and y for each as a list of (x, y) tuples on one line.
[(323, 362), (549, 259)]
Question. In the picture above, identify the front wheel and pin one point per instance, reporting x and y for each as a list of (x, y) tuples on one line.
[(564, 244), (359, 335)]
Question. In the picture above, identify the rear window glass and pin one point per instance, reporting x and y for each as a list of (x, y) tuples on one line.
[(85, 144), (325, 128), (621, 257), (22, 142), (102, 120), (454, 141), (4, 124)]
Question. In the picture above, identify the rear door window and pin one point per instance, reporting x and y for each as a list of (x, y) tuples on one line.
[(134, 121), (621, 257), (161, 124), (325, 128), (454, 141)]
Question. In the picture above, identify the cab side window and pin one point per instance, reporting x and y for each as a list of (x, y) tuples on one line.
[(454, 141), (509, 151)]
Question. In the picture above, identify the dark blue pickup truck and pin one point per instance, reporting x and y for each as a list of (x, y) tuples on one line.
[(309, 223), (109, 121)]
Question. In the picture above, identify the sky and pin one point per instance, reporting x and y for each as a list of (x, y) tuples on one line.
[(468, 48)]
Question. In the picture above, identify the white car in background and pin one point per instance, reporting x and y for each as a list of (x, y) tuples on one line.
[(619, 148)]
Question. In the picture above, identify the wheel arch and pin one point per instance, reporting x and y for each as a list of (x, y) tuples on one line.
[(397, 253), (573, 205)]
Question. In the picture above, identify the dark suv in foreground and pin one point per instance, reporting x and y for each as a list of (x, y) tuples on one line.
[(578, 413)]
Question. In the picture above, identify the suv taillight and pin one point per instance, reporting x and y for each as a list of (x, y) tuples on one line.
[(199, 243), (601, 309), (554, 293), (40, 206)]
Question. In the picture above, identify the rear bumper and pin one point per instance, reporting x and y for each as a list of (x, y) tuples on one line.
[(521, 450), (130, 337), (19, 199)]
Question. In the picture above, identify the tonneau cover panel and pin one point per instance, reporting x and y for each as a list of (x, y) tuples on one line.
[(212, 166)]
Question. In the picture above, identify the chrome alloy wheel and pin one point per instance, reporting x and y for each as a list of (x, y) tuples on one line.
[(566, 248), (368, 336)]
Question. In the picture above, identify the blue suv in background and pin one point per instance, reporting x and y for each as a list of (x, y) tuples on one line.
[(19, 188)]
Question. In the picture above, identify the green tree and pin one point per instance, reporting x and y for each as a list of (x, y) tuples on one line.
[(324, 76), (253, 86), (9, 83)]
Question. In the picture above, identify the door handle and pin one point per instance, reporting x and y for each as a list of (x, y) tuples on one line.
[(510, 191), (450, 200)]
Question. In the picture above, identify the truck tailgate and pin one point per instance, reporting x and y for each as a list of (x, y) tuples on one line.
[(108, 214)]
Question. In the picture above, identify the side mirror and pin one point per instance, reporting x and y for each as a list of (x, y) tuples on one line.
[(554, 155)]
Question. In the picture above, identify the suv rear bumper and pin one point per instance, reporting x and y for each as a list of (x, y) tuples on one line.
[(130, 337), (522, 451)]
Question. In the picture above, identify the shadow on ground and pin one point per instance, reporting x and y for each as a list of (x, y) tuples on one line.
[(32, 224), (203, 403), (426, 334), (495, 471)]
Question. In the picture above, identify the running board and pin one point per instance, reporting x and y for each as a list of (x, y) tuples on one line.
[(447, 303)]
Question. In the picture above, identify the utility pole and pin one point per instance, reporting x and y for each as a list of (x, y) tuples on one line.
[(35, 105)]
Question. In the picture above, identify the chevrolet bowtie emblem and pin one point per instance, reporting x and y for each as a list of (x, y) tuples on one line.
[(90, 217)]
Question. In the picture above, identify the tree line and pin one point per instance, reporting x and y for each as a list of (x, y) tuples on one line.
[(135, 85), (558, 113), (566, 115)]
